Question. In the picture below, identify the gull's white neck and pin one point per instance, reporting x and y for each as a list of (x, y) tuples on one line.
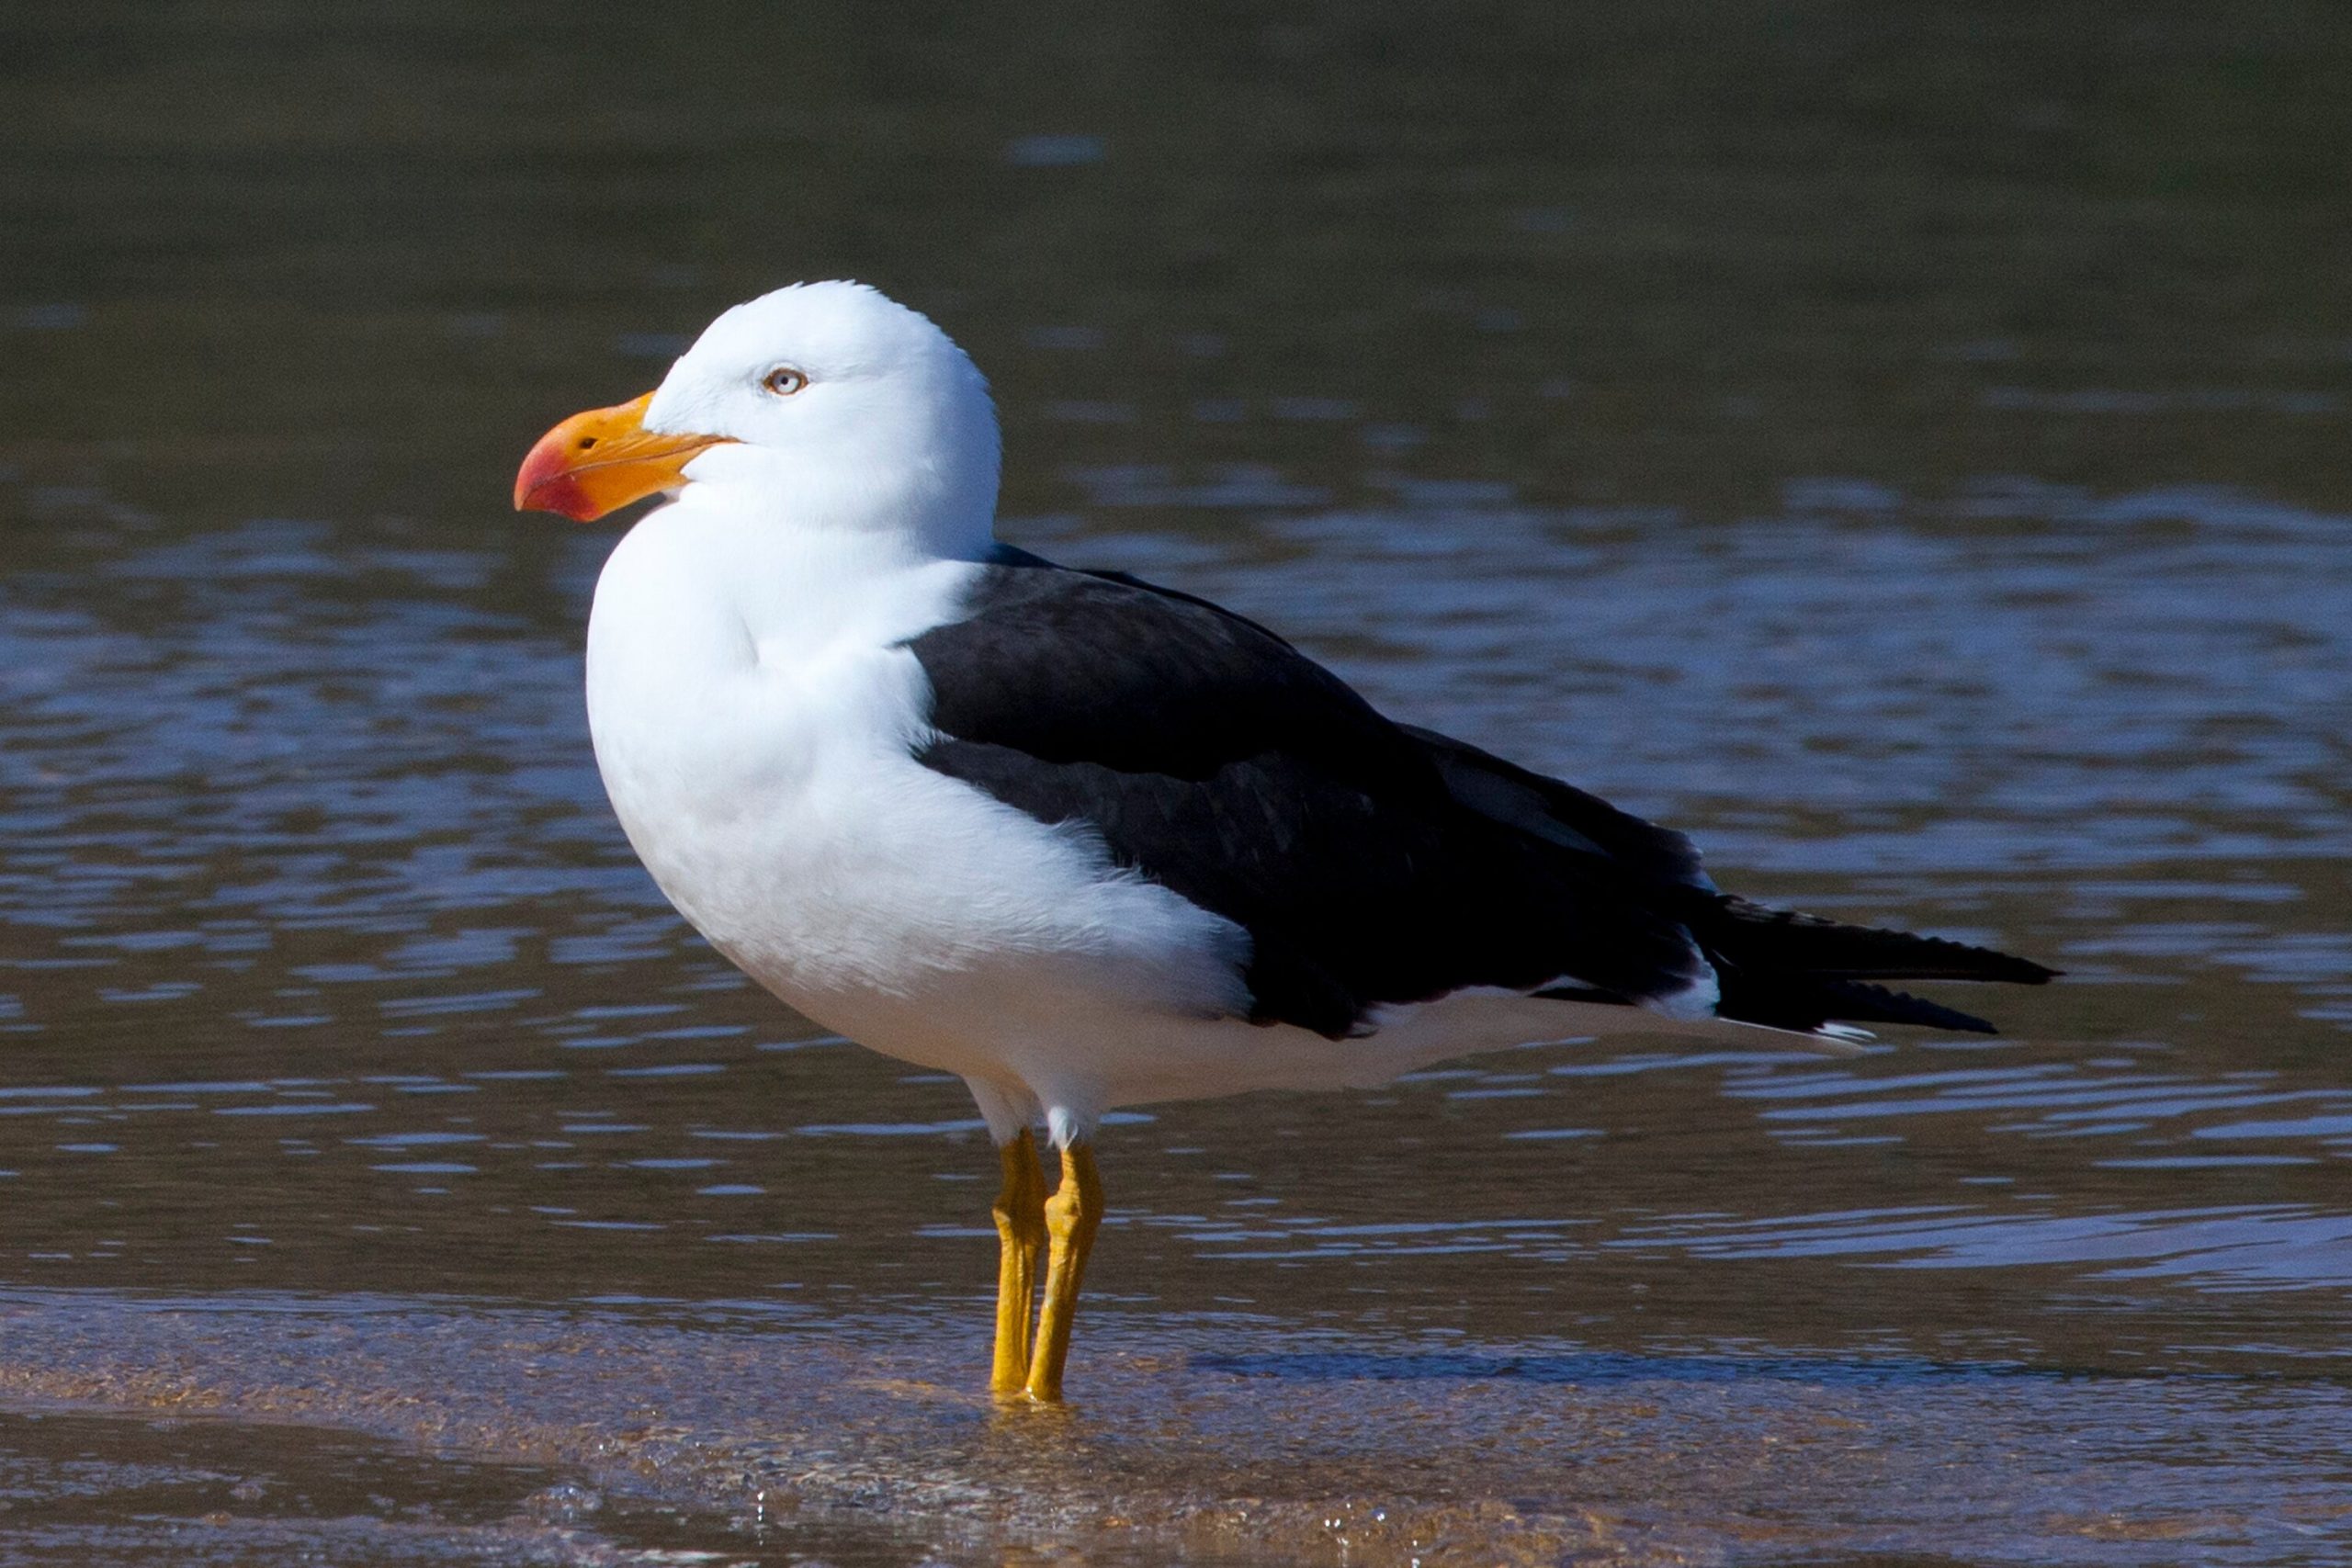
[(715, 583)]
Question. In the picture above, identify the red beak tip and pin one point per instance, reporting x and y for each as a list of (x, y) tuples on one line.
[(545, 485)]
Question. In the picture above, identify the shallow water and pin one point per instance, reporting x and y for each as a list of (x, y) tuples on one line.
[(1913, 462)]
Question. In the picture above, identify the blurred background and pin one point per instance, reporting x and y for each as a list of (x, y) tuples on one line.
[(1903, 446), (1669, 255)]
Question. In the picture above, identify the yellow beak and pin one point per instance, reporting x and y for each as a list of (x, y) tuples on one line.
[(605, 458)]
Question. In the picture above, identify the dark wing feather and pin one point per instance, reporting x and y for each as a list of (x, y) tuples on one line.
[(1782, 940), (1213, 758), (1369, 862), (1775, 967), (1796, 971), (1561, 813)]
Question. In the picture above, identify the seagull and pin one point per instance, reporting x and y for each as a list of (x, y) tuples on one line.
[(1080, 839)]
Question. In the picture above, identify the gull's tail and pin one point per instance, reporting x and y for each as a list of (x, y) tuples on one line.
[(1786, 970)]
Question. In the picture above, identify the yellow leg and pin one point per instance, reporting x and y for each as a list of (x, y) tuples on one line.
[(1071, 1216), (1021, 1236)]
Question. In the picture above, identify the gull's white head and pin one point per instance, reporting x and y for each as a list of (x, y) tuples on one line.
[(822, 405)]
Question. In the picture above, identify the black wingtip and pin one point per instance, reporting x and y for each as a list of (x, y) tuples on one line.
[(1992, 965), (1759, 937), (1807, 1002)]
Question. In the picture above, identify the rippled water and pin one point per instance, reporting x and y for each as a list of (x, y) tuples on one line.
[(1950, 531)]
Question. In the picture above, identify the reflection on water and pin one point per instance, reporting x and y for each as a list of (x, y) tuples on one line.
[(1932, 497)]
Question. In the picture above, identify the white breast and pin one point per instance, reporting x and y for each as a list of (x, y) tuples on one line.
[(755, 716)]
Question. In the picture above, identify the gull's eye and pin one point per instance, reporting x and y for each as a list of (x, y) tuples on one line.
[(783, 380)]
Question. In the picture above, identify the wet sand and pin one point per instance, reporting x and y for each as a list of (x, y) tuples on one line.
[(583, 1433)]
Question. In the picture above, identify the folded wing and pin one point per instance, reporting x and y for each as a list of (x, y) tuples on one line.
[(1369, 863)]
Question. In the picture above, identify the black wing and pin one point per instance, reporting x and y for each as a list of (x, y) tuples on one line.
[(1216, 759), (1369, 863), (1773, 966)]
